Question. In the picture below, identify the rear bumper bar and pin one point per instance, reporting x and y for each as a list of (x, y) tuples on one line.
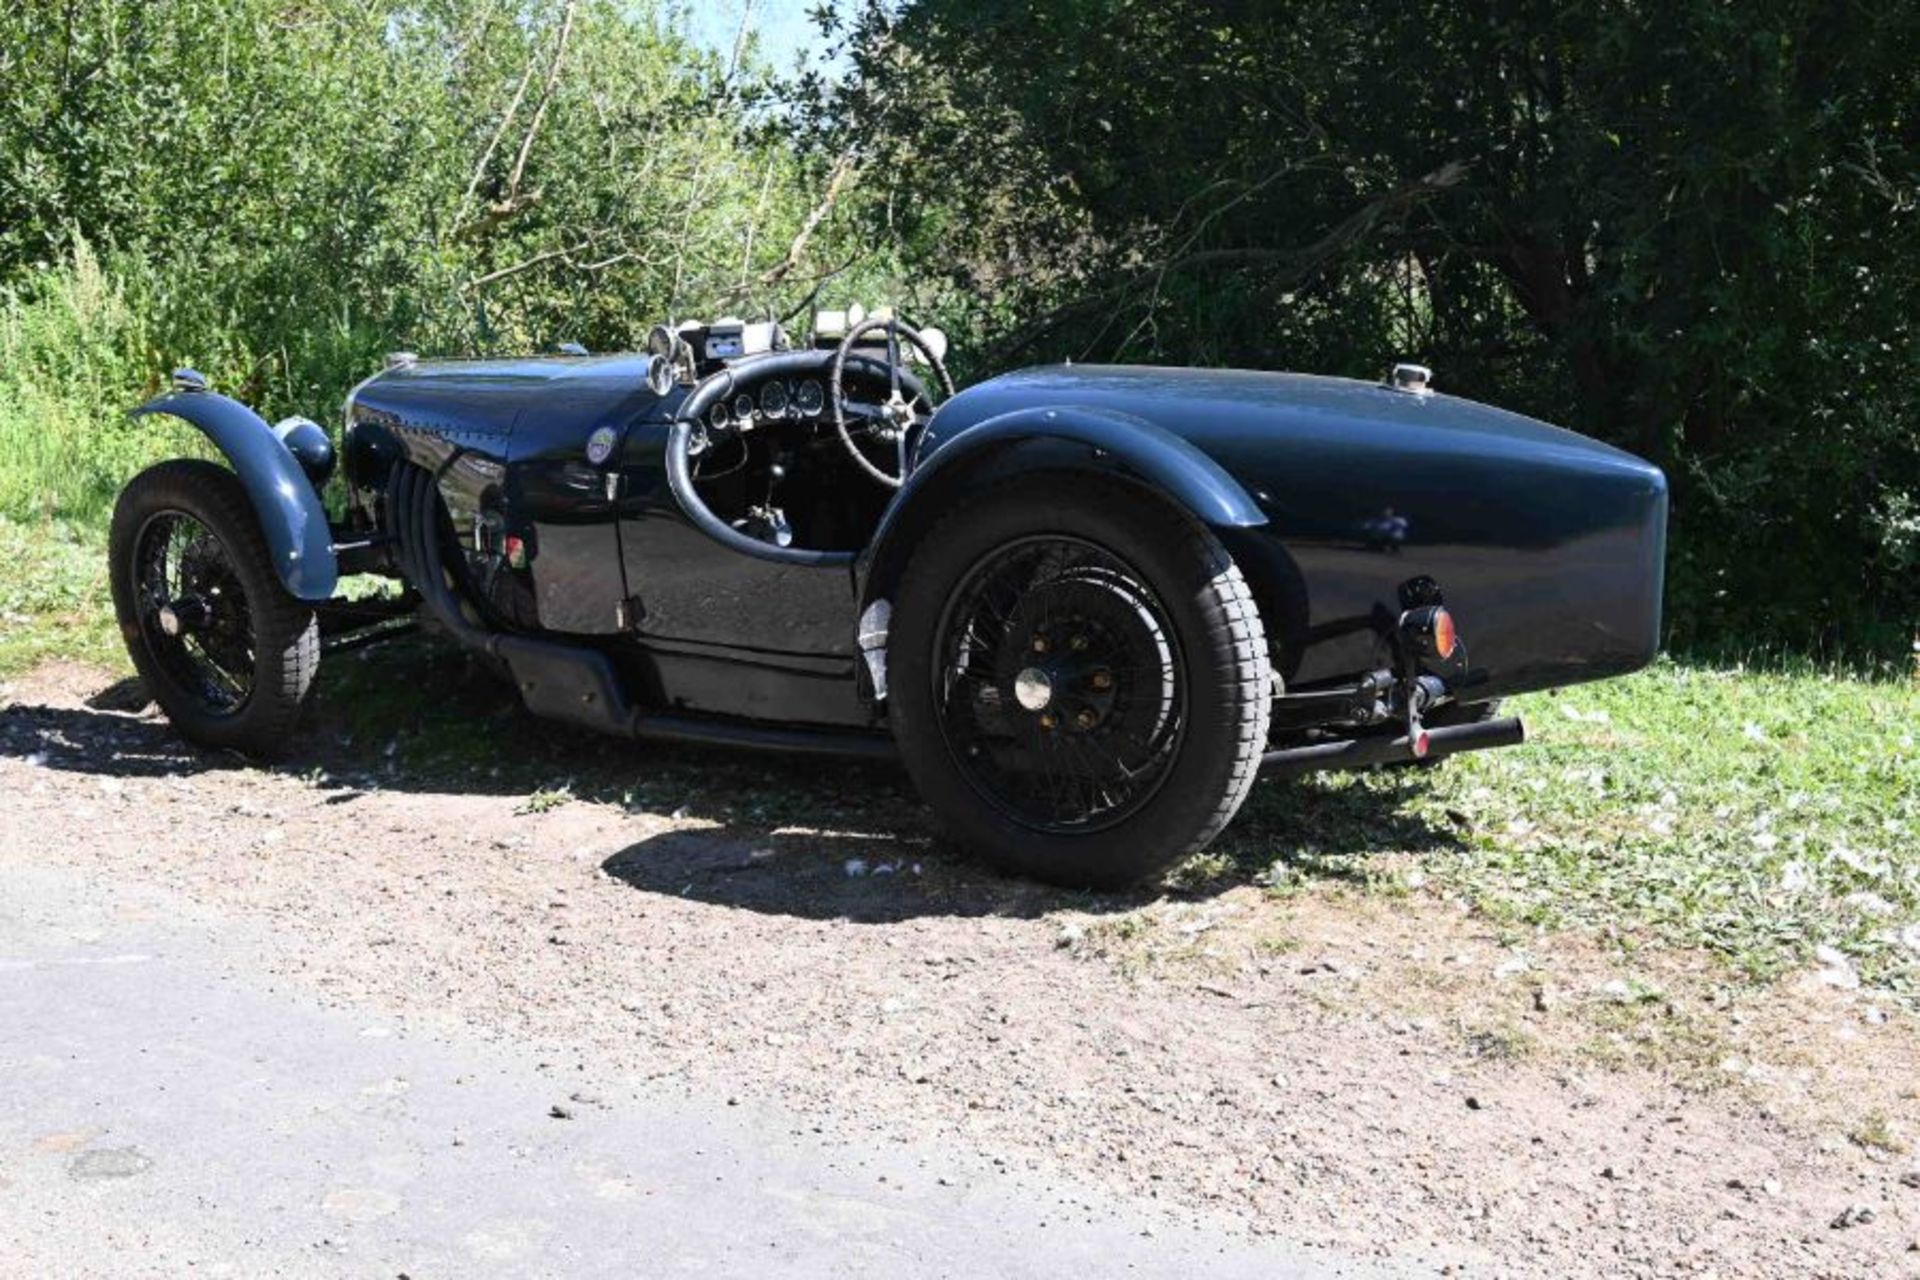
[(1358, 753)]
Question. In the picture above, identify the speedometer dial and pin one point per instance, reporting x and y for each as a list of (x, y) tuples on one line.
[(809, 398), (773, 399)]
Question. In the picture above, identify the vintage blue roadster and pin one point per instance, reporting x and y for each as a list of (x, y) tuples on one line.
[(1085, 606)]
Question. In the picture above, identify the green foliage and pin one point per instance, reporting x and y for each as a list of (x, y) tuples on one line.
[(64, 339), (54, 602), (1687, 228), (276, 193)]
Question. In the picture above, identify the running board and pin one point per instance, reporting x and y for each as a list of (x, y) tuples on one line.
[(846, 743), (1358, 753), (578, 685)]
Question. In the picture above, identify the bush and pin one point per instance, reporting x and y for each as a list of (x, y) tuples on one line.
[(276, 194), (72, 361), (1688, 229)]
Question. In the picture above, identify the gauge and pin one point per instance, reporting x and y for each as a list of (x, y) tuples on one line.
[(717, 416), (659, 375), (773, 399), (809, 399), (743, 407)]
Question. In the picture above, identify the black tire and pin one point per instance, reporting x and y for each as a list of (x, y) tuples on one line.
[(237, 678), (1212, 676)]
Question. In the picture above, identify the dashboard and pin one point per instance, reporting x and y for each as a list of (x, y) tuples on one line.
[(792, 410), (759, 452), (768, 402)]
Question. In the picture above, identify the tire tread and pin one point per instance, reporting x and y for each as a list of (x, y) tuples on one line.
[(1232, 638), (286, 630)]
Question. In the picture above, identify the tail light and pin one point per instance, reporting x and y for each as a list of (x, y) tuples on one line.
[(1430, 631)]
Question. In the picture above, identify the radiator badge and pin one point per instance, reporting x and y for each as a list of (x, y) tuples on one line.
[(600, 445)]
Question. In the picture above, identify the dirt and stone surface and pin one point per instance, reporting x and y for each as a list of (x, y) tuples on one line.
[(1356, 1081)]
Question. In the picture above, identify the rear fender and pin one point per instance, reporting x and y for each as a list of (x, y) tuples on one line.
[(1097, 441), (290, 514)]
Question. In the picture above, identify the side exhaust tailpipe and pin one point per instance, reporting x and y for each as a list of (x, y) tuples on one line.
[(1358, 753)]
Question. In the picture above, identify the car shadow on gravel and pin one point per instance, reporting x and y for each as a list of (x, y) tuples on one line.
[(493, 747), (1295, 831), (412, 715), (788, 835), (861, 878), (102, 738)]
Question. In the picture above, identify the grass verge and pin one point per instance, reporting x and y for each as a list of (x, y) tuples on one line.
[(1764, 816), (53, 598)]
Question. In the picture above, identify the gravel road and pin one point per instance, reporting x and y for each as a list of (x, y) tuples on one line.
[(163, 1112), (806, 1003)]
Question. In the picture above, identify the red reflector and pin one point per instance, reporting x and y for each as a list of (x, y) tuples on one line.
[(1421, 745), (516, 552), (1444, 637)]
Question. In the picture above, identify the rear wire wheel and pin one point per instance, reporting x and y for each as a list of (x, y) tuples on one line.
[(1078, 680), (220, 644)]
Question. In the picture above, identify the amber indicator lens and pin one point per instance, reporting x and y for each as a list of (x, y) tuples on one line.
[(1430, 631)]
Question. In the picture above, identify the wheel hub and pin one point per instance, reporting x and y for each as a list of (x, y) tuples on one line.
[(1065, 702), (1068, 680), (1033, 689), (186, 613)]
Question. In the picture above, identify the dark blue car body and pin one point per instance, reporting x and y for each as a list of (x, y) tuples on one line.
[(1335, 498)]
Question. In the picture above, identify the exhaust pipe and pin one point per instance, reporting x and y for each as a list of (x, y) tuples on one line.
[(1358, 753)]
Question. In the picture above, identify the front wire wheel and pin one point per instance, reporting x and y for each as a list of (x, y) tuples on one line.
[(222, 647), (192, 611), (1078, 680)]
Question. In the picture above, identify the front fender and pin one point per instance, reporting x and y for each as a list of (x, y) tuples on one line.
[(1102, 440), (291, 517)]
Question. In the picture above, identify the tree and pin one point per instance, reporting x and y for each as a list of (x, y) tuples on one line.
[(1685, 228), (279, 191)]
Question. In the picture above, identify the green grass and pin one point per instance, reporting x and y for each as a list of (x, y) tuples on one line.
[(546, 799), (53, 598), (1754, 814), (75, 355)]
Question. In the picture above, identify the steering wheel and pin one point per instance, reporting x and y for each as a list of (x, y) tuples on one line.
[(893, 421)]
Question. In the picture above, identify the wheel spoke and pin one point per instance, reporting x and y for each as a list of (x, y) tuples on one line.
[(212, 666), (193, 612), (1090, 734)]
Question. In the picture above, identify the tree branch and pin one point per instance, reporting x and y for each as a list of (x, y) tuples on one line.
[(486, 156), (740, 42), (843, 170), (537, 260), (1296, 264), (546, 96)]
